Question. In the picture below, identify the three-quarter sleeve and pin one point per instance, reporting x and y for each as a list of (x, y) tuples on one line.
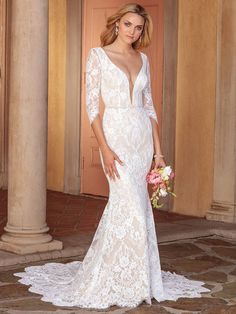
[(93, 81), (147, 93)]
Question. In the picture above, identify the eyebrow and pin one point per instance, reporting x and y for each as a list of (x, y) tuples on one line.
[(132, 23)]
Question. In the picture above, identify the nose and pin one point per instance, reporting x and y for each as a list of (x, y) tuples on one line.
[(132, 31)]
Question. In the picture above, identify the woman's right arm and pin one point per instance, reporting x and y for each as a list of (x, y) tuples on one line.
[(93, 81)]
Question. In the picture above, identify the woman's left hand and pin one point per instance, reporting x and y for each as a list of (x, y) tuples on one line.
[(159, 162)]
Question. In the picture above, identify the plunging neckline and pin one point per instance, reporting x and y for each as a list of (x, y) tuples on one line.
[(116, 66)]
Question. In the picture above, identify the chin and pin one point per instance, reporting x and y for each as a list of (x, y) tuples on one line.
[(128, 40)]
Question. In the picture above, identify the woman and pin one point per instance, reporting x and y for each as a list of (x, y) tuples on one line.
[(122, 265)]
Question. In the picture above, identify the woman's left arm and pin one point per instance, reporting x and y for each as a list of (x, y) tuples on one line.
[(151, 112), (158, 159)]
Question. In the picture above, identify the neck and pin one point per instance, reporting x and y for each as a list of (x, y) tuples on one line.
[(122, 46)]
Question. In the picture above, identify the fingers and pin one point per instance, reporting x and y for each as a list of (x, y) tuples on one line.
[(115, 171), (118, 159), (111, 171), (160, 164)]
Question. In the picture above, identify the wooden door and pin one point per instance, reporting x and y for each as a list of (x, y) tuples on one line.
[(95, 12)]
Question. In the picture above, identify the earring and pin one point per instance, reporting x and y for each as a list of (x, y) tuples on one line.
[(116, 30)]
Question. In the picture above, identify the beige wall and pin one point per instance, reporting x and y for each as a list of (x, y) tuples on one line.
[(224, 195), (56, 94), (64, 96), (195, 106)]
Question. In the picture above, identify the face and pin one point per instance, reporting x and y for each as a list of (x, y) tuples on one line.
[(130, 27)]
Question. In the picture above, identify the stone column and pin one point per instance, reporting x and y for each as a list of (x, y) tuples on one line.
[(223, 207), (26, 229)]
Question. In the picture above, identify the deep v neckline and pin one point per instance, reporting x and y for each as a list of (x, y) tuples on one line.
[(116, 66)]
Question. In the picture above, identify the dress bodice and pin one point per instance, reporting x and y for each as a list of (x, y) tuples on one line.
[(106, 78)]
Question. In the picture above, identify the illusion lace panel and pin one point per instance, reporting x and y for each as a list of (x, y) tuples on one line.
[(147, 93), (93, 82)]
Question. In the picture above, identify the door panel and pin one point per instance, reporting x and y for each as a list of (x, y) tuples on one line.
[(95, 12)]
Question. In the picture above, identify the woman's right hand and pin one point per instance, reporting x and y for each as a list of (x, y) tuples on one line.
[(109, 158)]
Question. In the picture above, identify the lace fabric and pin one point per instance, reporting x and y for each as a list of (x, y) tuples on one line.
[(102, 75), (122, 265)]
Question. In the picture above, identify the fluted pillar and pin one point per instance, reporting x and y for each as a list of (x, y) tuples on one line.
[(223, 207), (26, 229)]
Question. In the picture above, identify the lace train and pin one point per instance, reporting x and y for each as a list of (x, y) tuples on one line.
[(54, 282)]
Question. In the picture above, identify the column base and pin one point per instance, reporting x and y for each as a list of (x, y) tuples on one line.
[(222, 212), (31, 248)]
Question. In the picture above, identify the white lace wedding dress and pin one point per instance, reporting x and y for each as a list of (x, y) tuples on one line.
[(122, 265)]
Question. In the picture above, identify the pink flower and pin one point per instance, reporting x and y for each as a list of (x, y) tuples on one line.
[(160, 179), (154, 177), (162, 186)]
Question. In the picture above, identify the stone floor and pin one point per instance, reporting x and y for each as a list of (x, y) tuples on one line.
[(208, 258)]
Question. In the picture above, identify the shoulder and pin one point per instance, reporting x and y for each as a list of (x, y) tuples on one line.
[(94, 53), (94, 50), (144, 55)]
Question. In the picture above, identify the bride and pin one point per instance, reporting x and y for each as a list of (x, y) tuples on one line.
[(122, 265)]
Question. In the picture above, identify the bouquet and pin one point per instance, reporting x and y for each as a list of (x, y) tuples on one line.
[(161, 178)]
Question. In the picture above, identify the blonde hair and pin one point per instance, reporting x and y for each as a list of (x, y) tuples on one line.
[(108, 36)]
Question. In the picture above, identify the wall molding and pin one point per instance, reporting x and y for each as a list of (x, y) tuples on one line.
[(169, 87), (73, 96)]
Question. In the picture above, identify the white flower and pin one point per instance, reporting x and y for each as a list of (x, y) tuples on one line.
[(163, 192), (166, 172)]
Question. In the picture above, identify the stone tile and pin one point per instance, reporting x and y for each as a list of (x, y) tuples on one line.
[(179, 250), (14, 290), (196, 265), (8, 277), (163, 216), (167, 265), (210, 287), (214, 242), (214, 276), (233, 272), (222, 309), (35, 305), (195, 304), (226, 252), (32, 304), (228, 291), (147, 309)]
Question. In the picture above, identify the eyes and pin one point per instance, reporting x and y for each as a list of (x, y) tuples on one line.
[(128, 24)]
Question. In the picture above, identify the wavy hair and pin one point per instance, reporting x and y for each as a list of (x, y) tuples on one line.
[(108, 36)]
